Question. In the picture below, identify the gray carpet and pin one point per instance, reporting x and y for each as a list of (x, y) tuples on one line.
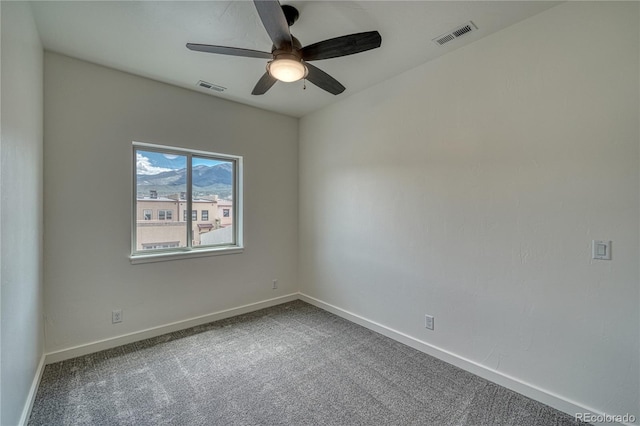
[(292, 364)]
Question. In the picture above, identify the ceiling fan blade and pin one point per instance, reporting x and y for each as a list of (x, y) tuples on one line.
[(233, 51), (264, 84), (324, 80), (342, 46), (274, 22)]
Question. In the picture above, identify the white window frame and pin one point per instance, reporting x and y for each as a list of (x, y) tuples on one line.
[(159, 255)]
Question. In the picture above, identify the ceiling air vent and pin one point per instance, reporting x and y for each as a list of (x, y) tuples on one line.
[(211, 86), (455, 33)]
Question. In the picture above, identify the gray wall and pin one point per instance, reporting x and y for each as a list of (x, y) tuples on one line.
[(92, 114), (470, 189), (20, 210)]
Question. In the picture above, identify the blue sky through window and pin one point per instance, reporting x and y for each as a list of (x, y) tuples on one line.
[(150, 162)]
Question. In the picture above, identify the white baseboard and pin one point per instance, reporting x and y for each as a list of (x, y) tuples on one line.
[(534, 392), (124, 339), (33, 390)]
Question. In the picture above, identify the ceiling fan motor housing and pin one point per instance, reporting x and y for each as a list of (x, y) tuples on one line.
[(295, 47)]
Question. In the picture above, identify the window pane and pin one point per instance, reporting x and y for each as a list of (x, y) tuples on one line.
[(160, 185), (212, 189)]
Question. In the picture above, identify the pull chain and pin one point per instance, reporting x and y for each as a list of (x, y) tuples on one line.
[(304, 84)]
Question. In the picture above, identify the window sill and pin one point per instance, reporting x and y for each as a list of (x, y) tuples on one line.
[(164, 257)]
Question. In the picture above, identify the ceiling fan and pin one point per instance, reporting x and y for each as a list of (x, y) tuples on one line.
[(289, 60)]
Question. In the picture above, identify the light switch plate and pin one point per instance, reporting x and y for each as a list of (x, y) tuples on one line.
[(601, 250)]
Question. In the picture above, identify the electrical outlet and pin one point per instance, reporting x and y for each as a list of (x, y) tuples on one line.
[(275, 284), (428, 322), (116, 316)]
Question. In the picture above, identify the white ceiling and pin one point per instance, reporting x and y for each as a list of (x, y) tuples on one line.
[(148, 38)]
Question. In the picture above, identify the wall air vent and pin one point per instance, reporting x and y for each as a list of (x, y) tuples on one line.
[(455, 33), (211, 86)]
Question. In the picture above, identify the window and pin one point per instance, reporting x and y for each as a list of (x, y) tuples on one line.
[(165, 215), (225, 212), (194, 215), (168, 180)]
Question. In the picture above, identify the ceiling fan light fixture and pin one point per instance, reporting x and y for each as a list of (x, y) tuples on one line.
[(287, 69)]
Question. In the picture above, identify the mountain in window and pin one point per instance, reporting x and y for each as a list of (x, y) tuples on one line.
[(203, 176)]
